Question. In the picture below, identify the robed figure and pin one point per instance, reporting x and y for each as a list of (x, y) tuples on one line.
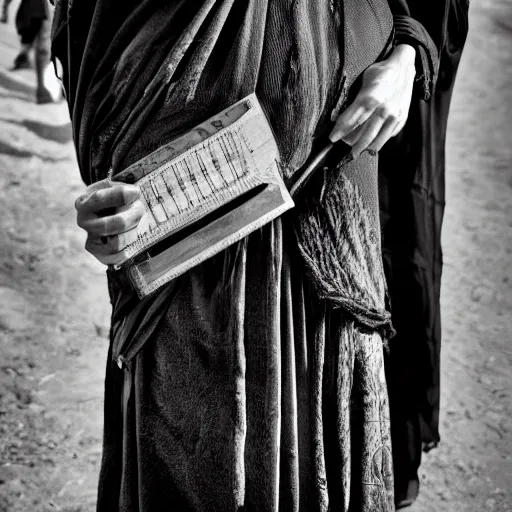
[(254, 381)]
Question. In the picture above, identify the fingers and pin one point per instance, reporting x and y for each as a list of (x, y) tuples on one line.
[(373, 134), (110, 250), (384, 135), (399, 127), (376, 112), (111, 197), (368, 134), (107, 259), (111, 216), (353, 117), (125, 219)]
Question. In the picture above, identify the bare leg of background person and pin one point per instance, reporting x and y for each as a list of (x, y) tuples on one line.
[(5, 11), (28, 33), (48, 86), (42, 61)]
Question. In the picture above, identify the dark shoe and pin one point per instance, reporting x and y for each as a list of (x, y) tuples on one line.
[(43, 96), (21, 62)]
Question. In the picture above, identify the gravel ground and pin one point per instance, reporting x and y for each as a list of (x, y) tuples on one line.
[(54, 309)]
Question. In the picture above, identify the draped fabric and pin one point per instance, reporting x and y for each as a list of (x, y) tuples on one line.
[(412, 198), (137, 73), (240, 385), (252, 395)]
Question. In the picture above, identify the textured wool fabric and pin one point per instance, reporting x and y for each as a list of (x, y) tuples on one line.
[(138, 73), (251, 395), (242, 386)]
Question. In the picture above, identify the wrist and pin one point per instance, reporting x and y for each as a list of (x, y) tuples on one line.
[(403, 58), (405, 53)]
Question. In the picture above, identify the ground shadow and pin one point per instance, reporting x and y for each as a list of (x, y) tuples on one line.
[(7, 81), (6, 149), (503, 24), (55, 133), (16, 95)]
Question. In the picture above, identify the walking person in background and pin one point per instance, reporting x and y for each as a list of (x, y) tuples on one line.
[(5, 11), (33, 24)]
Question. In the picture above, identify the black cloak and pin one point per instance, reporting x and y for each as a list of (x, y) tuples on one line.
[(412, 199)]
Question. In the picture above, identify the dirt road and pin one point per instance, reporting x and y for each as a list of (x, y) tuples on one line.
[(472, 468), (54, 310)]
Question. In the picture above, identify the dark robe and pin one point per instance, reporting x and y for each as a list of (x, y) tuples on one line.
[(254, 381), (412, 198)]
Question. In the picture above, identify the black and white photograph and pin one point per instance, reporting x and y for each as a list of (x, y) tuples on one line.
[(255, 255)]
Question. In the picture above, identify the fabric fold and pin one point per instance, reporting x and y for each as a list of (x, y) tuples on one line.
[(213, 360)]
